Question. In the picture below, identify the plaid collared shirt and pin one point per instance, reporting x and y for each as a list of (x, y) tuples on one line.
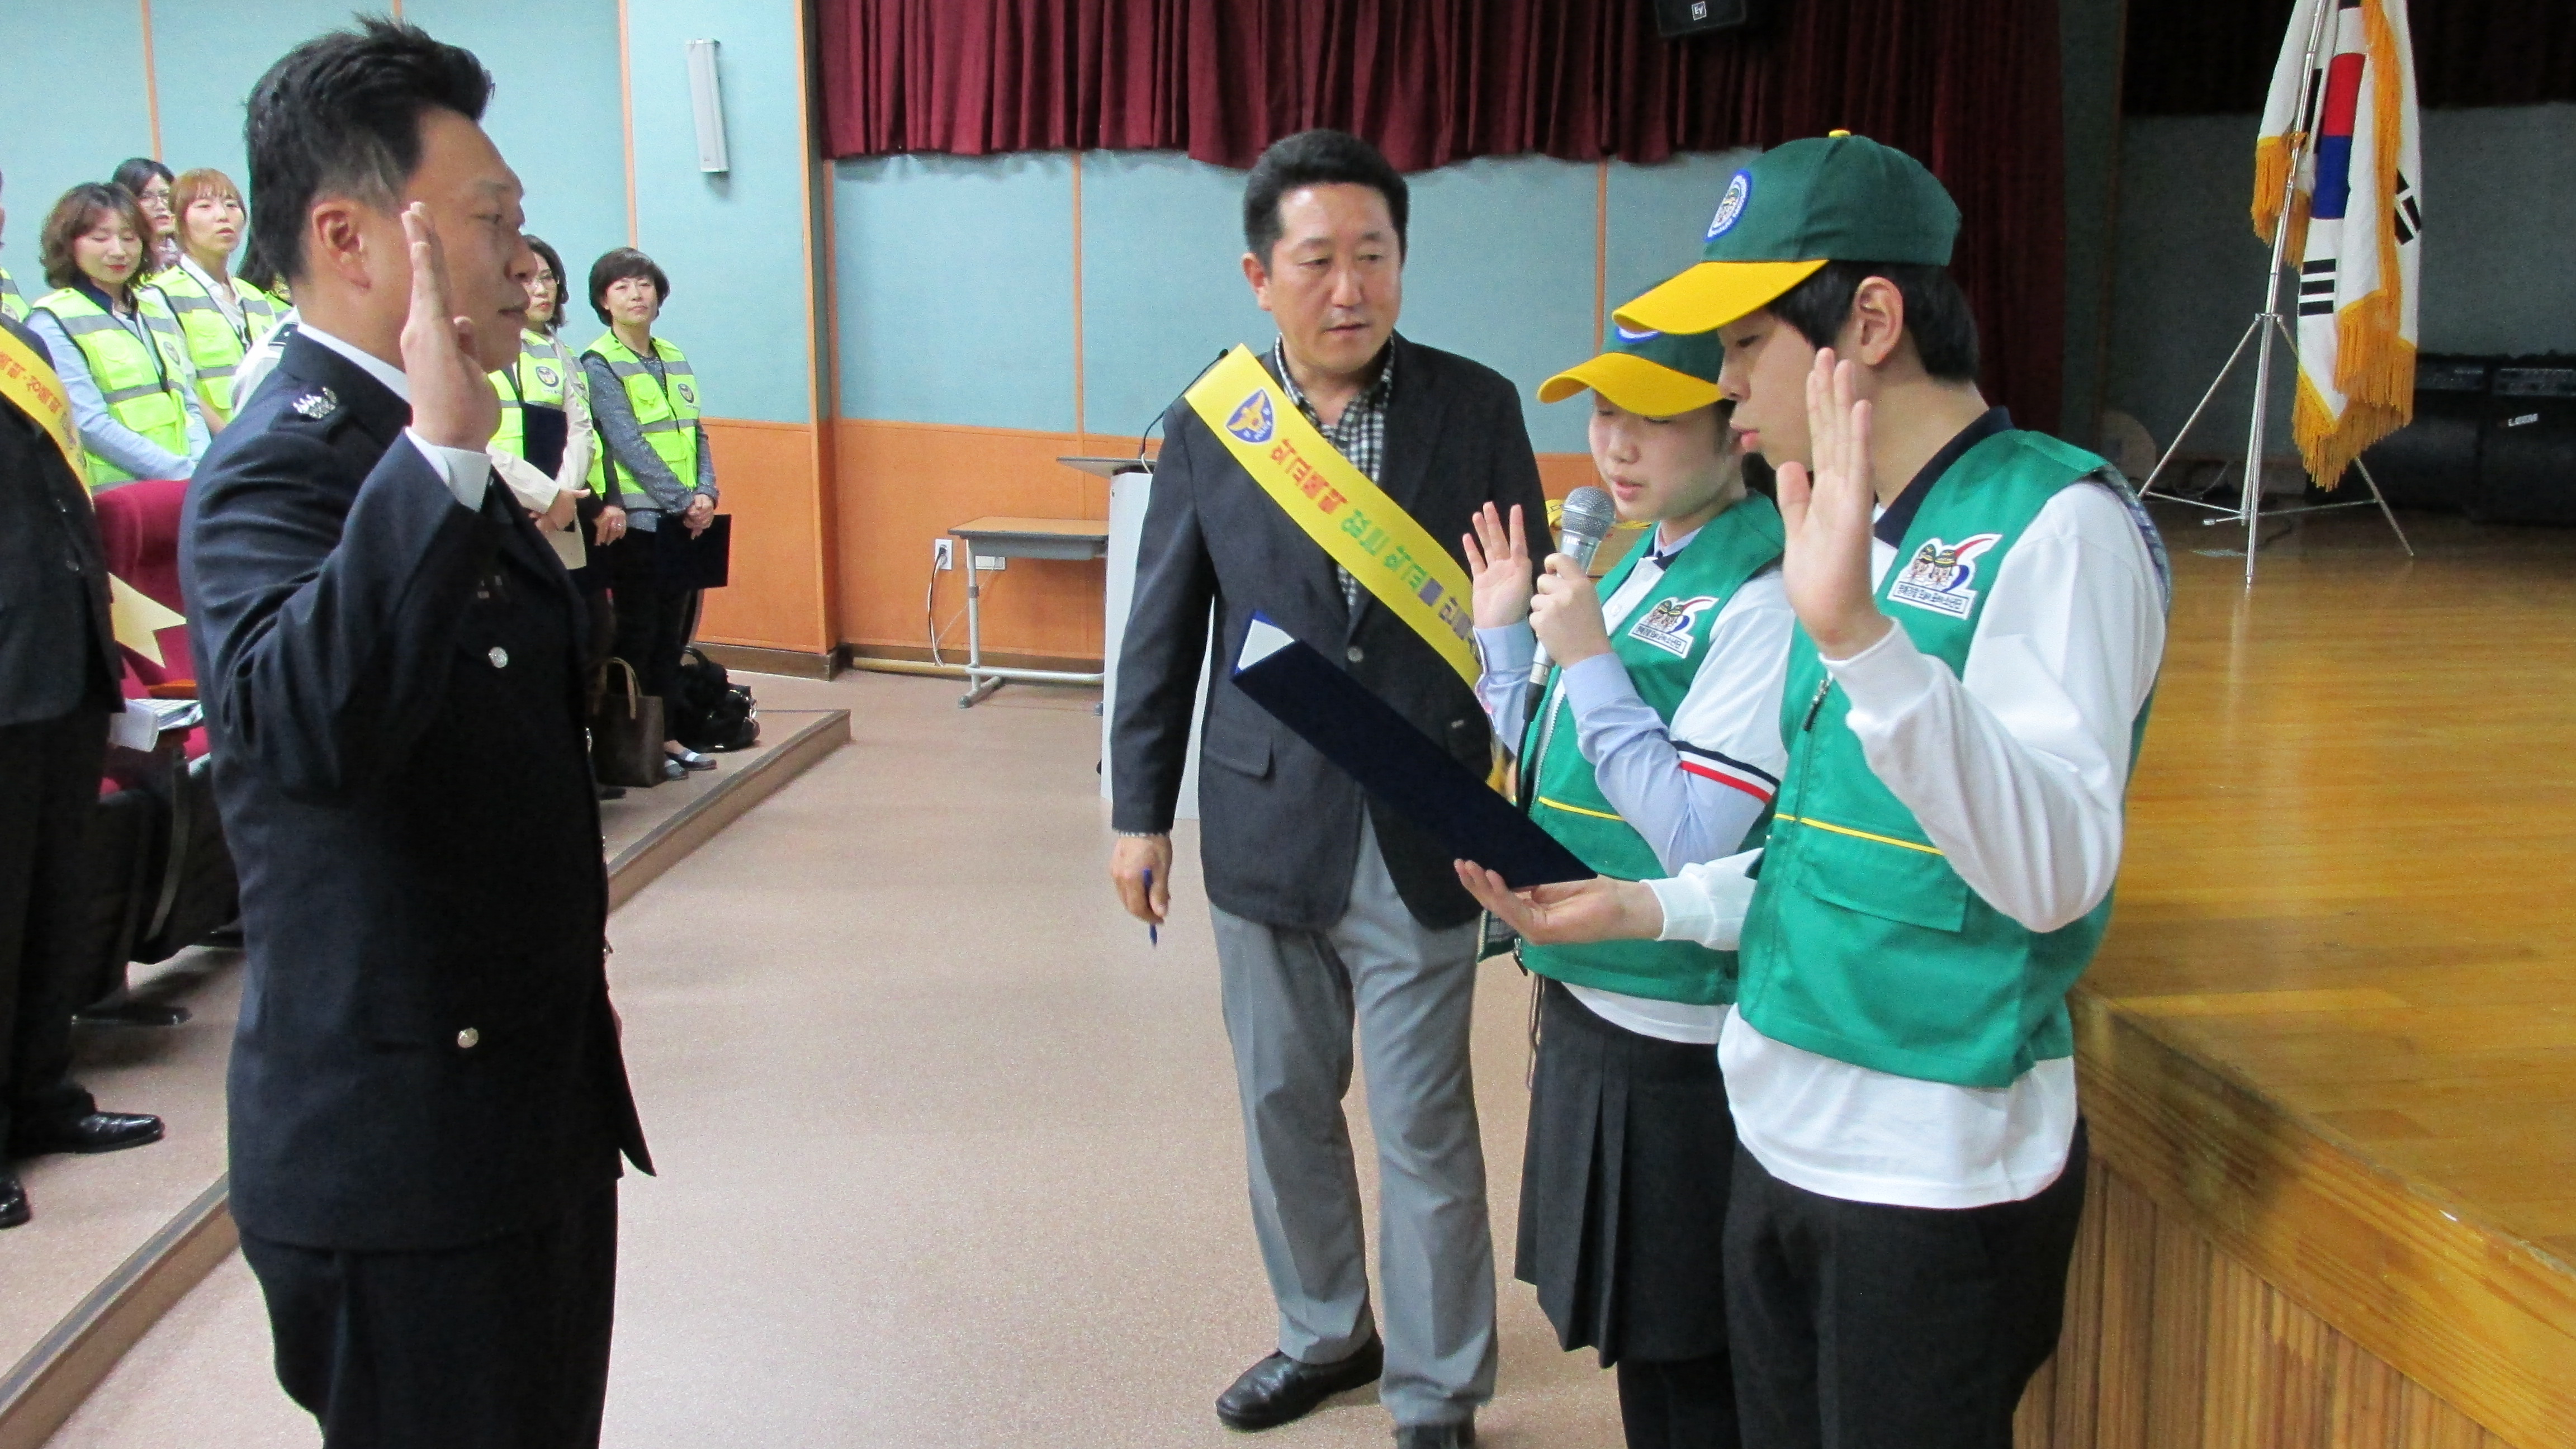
[(1359, 434)]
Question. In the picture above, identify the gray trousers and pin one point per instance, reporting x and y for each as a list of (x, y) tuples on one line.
[(1291, 998)]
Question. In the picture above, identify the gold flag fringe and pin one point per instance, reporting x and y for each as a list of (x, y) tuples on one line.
[(2328, 445)]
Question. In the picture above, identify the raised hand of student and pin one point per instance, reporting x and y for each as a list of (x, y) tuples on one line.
[(1825, 511), (1498, 566), (1566, 612), (1599, 909)]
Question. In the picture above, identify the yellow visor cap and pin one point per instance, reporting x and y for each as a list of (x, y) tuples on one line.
[(1634, 383), (1712, 294)]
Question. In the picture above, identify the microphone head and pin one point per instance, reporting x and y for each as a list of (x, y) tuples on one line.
[(1588, 518)]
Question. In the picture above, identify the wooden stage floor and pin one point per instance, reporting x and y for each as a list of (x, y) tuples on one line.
[(2334, 1023)]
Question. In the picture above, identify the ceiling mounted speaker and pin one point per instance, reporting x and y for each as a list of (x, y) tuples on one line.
[(1677, 18)]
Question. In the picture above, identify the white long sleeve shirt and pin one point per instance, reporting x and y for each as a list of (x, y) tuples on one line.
[(2016, 769), (1691, 788)]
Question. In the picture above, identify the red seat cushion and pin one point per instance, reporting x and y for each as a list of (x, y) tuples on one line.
[(139, 526)]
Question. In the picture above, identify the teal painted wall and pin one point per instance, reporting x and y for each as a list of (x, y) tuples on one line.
[(72, 78), (955, 283), (733, 244)]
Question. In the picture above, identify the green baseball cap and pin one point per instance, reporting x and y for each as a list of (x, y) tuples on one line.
[(1659, 374), (1836, 198)]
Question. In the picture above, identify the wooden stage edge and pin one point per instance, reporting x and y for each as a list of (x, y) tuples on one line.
[(41, 1391), (2328, 1056)]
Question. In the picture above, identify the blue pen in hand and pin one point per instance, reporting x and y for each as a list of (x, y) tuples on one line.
[(1153, 933)]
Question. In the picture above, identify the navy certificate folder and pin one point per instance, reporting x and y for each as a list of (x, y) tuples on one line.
[(1396, 762)]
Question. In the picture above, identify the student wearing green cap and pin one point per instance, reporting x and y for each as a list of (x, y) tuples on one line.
[(1655, 745), (1981, 616)]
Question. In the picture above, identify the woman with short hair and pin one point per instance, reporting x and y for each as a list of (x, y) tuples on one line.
[(654, 466), (222, 316), (123, 361), (152, 183)]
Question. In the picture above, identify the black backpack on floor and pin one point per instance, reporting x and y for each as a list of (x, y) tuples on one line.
[(715, 713)]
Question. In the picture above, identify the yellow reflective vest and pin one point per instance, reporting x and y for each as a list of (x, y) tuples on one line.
[(542, 375), (215, 345), (12, 305), (143, 386), (666, 411)]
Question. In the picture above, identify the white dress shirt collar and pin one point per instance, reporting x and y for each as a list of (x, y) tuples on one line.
[(374, 366)]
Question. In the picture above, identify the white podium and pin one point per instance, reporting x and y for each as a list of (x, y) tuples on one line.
[(1131, 487)]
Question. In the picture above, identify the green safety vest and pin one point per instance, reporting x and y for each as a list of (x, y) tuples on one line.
[(142, 385), (1862, 943), (1662, 643), (541, 376), (12, 305), (666, 411), (214, 345)]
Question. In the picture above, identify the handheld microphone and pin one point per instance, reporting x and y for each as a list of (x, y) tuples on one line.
[(1587, 519)]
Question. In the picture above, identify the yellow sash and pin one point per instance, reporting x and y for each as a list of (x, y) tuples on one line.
[(1366, 532), (138, 619), (38, 392)]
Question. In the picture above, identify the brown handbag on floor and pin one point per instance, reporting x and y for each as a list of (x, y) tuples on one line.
[(626, 733)]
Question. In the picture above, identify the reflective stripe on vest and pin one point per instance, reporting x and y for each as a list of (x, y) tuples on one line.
[(141, 389), (12, 305), (666, 412), (540, 377)]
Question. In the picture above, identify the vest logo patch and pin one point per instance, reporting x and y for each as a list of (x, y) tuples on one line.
[(547, 375), (1253, 421), (1669, 625), (687, 394), (1938, 578)]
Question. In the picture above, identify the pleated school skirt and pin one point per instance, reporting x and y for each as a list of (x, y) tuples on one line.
[(1623, 1188)]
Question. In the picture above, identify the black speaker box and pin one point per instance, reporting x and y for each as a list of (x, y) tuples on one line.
[(2433, 461), (2527, 456), (1677, 18)]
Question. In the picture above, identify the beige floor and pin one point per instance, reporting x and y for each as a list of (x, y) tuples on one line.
[(949, 1154), (91, 1212)]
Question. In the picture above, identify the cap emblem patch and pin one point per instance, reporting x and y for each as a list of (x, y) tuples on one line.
[(1730, 207), (1252, 422)]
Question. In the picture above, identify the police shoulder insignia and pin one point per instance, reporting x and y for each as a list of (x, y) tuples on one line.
[(316, 405), (1940, 578)]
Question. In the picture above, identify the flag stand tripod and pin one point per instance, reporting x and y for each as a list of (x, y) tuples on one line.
[(2267, 325)]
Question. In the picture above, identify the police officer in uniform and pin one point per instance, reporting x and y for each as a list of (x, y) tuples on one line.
[(428, 1098)]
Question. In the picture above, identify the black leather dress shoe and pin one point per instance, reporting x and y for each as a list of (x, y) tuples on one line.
[(93, 1132), (13, 1200), (1280, 1388), (1436, 1436)]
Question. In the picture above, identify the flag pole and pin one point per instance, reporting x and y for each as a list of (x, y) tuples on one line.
[(2267, 323)]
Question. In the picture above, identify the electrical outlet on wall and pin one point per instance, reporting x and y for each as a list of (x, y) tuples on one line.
[(943, 554)]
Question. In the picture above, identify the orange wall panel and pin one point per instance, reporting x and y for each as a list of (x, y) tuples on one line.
[(768, 475), (901, 485)]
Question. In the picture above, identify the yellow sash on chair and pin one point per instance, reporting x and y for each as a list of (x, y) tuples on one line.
[(38, 391), (1394, 558)]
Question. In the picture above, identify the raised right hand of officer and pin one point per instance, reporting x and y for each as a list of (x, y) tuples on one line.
[(452, 401), (1498, 566)]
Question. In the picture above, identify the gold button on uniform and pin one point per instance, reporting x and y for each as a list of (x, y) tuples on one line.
[(466, 1039), (499, 656)]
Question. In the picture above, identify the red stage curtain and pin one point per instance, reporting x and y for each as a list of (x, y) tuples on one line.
[(2215, 57), (1968, 86)]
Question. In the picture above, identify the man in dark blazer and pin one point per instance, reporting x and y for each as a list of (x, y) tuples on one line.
[(1330, 910), (428, 1100), (58, 686)]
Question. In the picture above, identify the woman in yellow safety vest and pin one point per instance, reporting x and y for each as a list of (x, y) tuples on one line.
[(151, 182), (12, 305), (123, 361), (655, 468), (220, 314)]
